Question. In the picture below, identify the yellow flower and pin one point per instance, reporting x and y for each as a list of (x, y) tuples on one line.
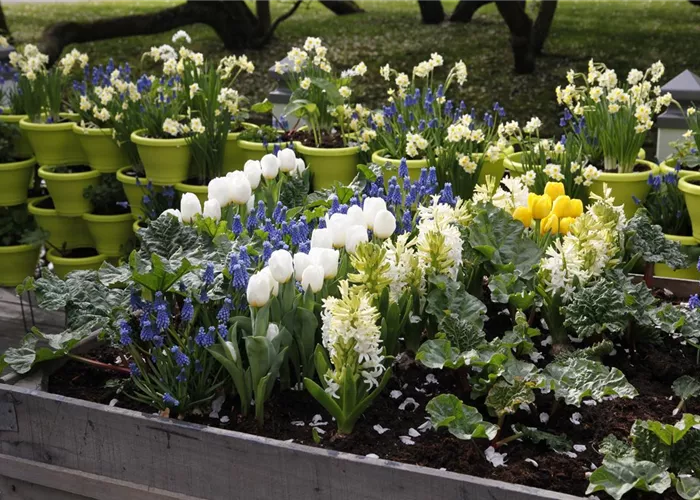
[(542, 207), (531, 199), (524, 215), (564, 224), (554, 189), (561, 206), (575, 208), (550, 224)]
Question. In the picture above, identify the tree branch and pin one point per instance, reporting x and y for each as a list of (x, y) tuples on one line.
[(265, 39)]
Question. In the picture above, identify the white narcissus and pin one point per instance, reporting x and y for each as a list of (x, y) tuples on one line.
[(270, 166), (189, 207), (322, 238), (253, 170), (312, 278), (239, 187), (337, 224), (371, 207), (212, 210), (327, 259), (384, 224), (287, 160), (354, 236), (258, 292), (281, 265), (301, 262)]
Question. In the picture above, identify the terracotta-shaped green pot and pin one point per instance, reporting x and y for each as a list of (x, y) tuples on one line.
[(391, 165), (234, 157), (53, 143), (111, 233), (626, 187), (202, 192), (64, 232), (21, 144), (166, 161), (495, 169), (17, 262), (64, 265), (329, 166), (666, 168), (135, 189), (14, 180), (67, 189), (102, 151), (690, 186), (690, 273)]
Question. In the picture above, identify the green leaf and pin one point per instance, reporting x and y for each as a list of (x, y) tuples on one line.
[(520, 337), (618, 476), (462, 421), (615, 448), (262, 107), (688, 487), (556, 443), (111, 275), (674, 446), (574, 379), (505, 398), (450, 298), (463, 334), (686, 387), (439, 353)]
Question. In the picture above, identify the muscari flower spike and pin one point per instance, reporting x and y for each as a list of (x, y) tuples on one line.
[(225, 311), (124, 333), (169, 400), (181, 359), (205, 338), (134, 369), (187, 312), (694, 301), (236, 225)]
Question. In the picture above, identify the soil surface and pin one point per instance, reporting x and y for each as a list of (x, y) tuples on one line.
[(79, 253), (71, 169), (329, 141)]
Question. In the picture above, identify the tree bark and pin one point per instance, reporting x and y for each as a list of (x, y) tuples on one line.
[(3, 24), (520, 27), (262, 9), (540, 30), (342, 8), (431, 11), (465, 10)]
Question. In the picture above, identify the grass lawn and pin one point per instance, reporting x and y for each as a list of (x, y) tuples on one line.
[(624, 35)]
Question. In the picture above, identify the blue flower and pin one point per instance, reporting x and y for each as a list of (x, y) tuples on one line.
[(198, 366), (407, 222), (252, 222), (260, 214), (243, 257), (208, 276), (394, 197), (124, 333), (698, 266), (182, 376), (276, 214), (488, 119), (162, 316), (499, 109), (343, 209), (403, 168), (147, 332), (181, 359), (204, 296), (135, 301), (205, 338), (134, 369), (236, 225), (322, 223), (169, 400), (240, 278), (223, 331), (187, 311), (267, 252), (694, 301), (446, 195), (654, 181), (225, 311)]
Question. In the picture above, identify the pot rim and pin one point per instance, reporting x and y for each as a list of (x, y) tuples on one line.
[(685, 185), (47, 174), (232, 136), (19, 248), (258, 146), (686, 241), (107, 219), (91, 131), (34, 210), (26, 124), (631, 176), (312, 151), (140, 140), (55, 258), (127, 179), (378, 156), (10, 118), (18, 165), (183, 187)]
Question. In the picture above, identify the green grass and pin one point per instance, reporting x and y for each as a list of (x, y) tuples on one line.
[(621, 34)]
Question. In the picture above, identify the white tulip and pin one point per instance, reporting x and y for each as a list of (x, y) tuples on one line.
[(250, 204), (270, 166), (322, 238), (287, 160), (384, 224), (253, 171), (300, 167), (338, 225), (356, 216), (189, 207), (272, 282), (174, 212), (219, 189), (327, 259), (312, 278), (212, 210), (281, 265), (258, 292), (301, 262), (272, 331), (239, 187), (354, 236), (371, 207)]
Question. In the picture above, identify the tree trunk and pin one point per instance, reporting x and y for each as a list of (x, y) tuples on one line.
[(342, 8), (3, 24), (465, 10), (520, 27), (431, 11), (540, 30), (262, 9)]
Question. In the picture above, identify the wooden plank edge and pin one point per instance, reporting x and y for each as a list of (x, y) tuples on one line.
[(419, 472), (79, 482)]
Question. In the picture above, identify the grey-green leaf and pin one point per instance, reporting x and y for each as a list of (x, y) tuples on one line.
[(462, 421), (618, 476)]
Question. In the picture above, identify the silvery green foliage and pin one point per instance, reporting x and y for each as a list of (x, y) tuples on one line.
[(647, 242), (462, 421), (558, 443), (618, 476)]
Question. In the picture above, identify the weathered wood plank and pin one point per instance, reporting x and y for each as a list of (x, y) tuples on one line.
[(16, 489), (211, 463)]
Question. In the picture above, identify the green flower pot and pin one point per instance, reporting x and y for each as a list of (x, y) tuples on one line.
[(17, 262), (64, 265), (53, 143), (21, 144), (64, 232), (495, 169), (135, 189), (234, 157), (111, 233), (166, 161), (665, 168), (202, 192), (391, 165), (626, 187), (66, 190), (690, 186), (689, 273), (14, 181), (330, 165), (513, 164), (250, 150), (102, 151), (137, 225)]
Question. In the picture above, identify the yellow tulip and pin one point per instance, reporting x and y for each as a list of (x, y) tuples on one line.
[(561, 206), (564, 224), (575, 208), (554, 189), (524, 215), (541, 207), (531, 199), (550, 224)]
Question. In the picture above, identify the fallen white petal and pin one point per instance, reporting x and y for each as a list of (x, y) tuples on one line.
[(409, 401), (216, 406), (413, 433), (496, 459), (536, 356), (532, 462), (298, 423), (524, 406), (590, 402), (319, 430), (544, 418), (372, 455), (317, 418), (113, 402), (576, 418), (425, 426), (224, 420), (547, 340), (407, 440), (380, 430), (430, 379), (395, 394), (580, 448)]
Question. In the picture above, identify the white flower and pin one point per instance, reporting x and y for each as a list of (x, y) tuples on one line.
[(634, 77), (258, 291), (174, 212), (212, 210), (239, 189), (171, 127), (345, 91), (270, 166), (496, 459), (337, 225), (219, 189), (189, 207), (281, 265), (253, 171), (327, 259), (532, 125), (354, 236), (356, 217), (370, 208), (385, 72), (300, 167), (272, 331), (271, 281), (194, 88), (305, 83), (196, 126), (312, 277), (322, 238), (250, 204), (287, 160), (301, 262), (181, 35), (384, 224)]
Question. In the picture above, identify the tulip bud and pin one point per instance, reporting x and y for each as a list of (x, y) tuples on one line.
[(312, 278), (212, 210), (337, 225), (561, 206), (271, 281), (300, 167), (356, 217), (327, 259), (220, 189), (272, 331), (281, 265), (575, 208), (354, 236), (287, 160), (189, 207), (250, 204), (549, 224), (531, 199), (322, 238), (240, 188), (554, 190), (542, 207), (270, 166), (384, 224), (301, 262), (258, 292), (371, 207), (174, 212), (564, 224), (253, 171), (524, 215)]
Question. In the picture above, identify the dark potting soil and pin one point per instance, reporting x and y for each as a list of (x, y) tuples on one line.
[(80, 253), (329, 141), (288, 415), (71, 169)]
